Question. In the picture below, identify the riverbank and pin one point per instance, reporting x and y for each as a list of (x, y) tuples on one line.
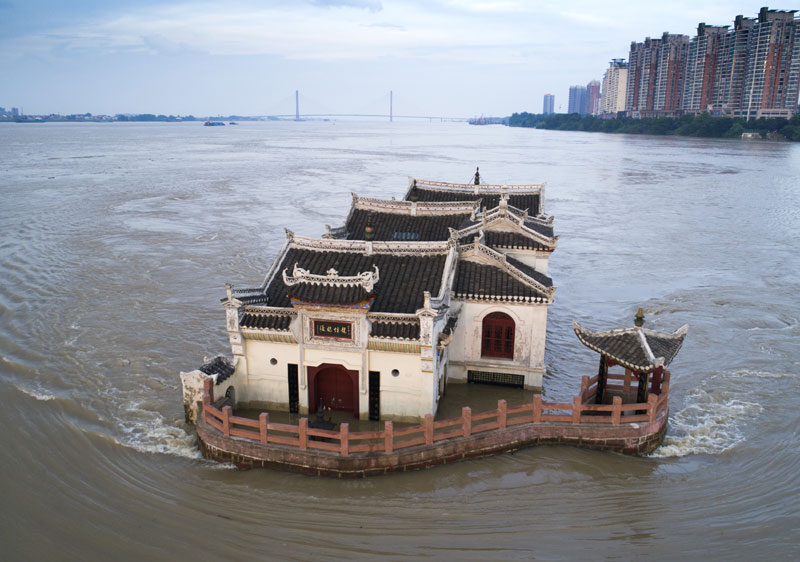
[(703, 125)]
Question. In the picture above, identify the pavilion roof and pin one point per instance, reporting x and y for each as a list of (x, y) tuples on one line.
[(639, 349)]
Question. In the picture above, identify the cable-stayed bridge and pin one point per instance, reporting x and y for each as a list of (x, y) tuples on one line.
[(370, 112)]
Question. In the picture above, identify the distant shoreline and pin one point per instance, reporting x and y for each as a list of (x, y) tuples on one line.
[(702, 125)]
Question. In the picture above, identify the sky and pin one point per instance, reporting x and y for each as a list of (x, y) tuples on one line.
[(452, 58)]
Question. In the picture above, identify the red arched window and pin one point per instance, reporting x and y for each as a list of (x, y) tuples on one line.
[(498, 336)]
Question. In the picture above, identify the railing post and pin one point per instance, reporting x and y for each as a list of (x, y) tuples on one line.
[(227, 411), (652, 400), (388, 437), (208, 396), (302, 433), (616, 413), (584, 384), (263, 422), (344, 437), (537, 408), (428, 429), (502, 414), (466, 420), (576, 410), (208, 389)]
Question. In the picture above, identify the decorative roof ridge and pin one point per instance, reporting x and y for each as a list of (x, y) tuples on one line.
[(396, 318), (487, 188), (274, 268), (269, 310), (646, 347), (417, 208), (518, 222), (500, 262), (369, 247), (679, 333), (366, 280)]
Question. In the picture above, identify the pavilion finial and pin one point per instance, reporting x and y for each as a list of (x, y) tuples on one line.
[(477, 178), (369, 232), (638, 320), (414, 193)]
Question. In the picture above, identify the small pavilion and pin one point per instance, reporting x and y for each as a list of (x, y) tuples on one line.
[(644, 354)]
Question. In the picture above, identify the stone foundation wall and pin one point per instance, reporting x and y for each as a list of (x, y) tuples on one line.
[(631, 439)]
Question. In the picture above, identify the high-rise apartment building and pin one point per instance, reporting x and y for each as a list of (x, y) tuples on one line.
[(703, 55), (612, 96), (728, 89), (670, 73), (549, 104), (592, 98), (773, 66), (751, 70), (656, 71), (577, 100), (641, 75)]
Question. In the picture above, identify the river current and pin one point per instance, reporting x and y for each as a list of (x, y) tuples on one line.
[(117, 241)]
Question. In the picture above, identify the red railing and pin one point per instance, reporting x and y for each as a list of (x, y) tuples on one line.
[(389, 439)]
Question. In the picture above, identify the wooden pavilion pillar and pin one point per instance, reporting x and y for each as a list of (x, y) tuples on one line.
[(602, 375), (641, 393), (655, 384)]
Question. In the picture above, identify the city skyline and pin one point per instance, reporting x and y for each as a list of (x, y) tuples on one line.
[(440, 58)]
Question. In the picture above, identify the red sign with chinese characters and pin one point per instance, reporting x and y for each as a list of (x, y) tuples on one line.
[(327, 329)]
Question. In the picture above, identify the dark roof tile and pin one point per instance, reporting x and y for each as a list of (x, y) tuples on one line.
[(529, 201), (403, 279), (396, 226), (485, 281), (395, 330), (278, 322), (626, 347)]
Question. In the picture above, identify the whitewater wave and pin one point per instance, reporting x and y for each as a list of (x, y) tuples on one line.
[(147, 431), (709, 424), (38, 394)]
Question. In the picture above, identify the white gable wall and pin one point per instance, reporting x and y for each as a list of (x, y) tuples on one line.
[(529, 339)]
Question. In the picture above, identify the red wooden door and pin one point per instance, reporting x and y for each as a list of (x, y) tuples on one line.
[(335, 389)]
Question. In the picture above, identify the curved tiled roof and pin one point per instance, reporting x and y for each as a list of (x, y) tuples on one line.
[(545, 280), (403, 278), (511, 240), (479, 281), (522, 201), (278, 322), (394, 226), (638, 349), (395, 330), (220, 366)]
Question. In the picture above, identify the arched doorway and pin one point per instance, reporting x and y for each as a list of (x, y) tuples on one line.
[(498, 336), (333, 387)]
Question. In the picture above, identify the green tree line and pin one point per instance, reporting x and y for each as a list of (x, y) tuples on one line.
[(702, 125)]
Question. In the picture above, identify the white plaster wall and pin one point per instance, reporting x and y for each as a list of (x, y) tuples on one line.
[(529, 342), (410, 394), (266, 383)]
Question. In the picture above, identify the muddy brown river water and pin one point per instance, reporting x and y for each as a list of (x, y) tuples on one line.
[(117, 240)]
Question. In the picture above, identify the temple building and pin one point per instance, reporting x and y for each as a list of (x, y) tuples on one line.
[(376, 316)]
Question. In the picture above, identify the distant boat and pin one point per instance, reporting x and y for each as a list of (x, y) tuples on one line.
[(214, 124), (233, 123)]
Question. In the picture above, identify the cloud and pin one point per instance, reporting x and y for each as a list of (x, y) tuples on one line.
[(386, 26), (371, 5)]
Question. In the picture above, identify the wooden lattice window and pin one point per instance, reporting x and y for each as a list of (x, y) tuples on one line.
[(498, 336)]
